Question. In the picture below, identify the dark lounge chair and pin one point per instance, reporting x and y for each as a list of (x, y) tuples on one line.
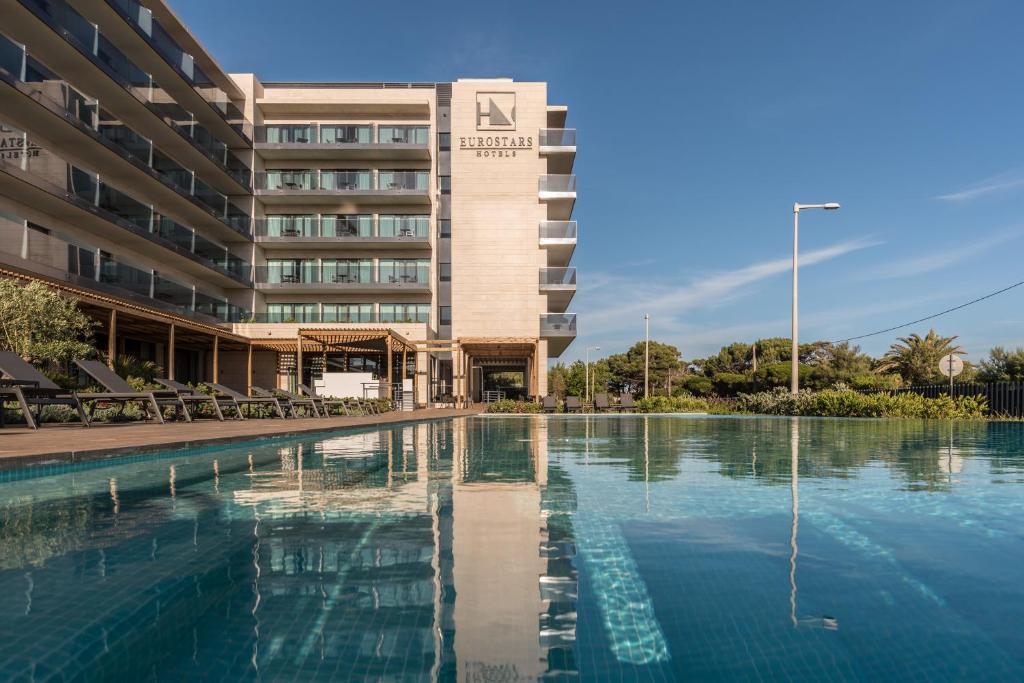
[(237, 399), (120, 392), (626, 404), (325, 403), (550, 404), (573, 405), (291, 402), (29, 387), (601, 403), (189, 395)]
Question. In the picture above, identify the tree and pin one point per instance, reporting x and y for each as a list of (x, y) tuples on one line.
[(627, 369), (916, 358), (1002, 365), (556, 380), (41, 325)]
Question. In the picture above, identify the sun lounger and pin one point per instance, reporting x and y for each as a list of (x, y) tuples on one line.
[(550, 404), (119, 392), (573, 405), (190, 396), (29, 387), (601, 403), (325, 403), (292, 402), (238, 399)]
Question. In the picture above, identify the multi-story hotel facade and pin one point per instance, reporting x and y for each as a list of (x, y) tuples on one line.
[(411, 238)]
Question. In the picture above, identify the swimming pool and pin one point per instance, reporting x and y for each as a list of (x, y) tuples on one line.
[(521, 548)]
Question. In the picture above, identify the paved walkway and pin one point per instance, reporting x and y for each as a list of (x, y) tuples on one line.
[(20, 445)]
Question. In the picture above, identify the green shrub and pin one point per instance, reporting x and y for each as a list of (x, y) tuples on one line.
[(730, 383), (508, 405), (674, 404), (697, 385), (842, 402)]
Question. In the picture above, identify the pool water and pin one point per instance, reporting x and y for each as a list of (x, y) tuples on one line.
[(523, 548)]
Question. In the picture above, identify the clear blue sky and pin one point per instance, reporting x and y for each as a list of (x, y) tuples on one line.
[(700, 123)]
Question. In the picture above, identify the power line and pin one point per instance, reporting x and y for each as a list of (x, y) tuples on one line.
[(930, 317)]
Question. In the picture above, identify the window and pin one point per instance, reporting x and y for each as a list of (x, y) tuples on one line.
[(444, 315), (444, 182), (347, 225), (348, 313), (292, 313), (444, 272), (291, 271), (347, 271), (403, 135), (444, 142), (404, 313), (290, 225), (336, 135), (404, 226), (444, 227), (397, 271)]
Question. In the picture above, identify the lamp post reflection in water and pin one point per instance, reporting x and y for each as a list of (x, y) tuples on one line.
[(794, 489), (647, 465)]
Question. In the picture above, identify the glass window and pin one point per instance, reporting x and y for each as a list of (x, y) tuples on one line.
[(404, 226), (444, 272), (347, 225), (347, 271), (333, 134), (291, 271), (403, 180), (402, 135), (444, 141), (404, 313), (292, 313), (444, 315), (398, 271), (444, 227), (444, 183), (291, 225), (288, 132), (346, 180), (348, 313)]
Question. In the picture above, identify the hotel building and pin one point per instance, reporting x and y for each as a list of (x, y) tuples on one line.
[(404, 238)]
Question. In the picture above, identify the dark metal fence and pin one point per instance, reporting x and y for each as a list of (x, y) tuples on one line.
[(1005, 399)]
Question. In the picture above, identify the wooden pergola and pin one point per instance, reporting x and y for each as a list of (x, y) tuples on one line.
[(119, 318), (465, 350)]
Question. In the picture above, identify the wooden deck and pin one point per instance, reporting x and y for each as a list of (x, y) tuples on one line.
[(20, 446)]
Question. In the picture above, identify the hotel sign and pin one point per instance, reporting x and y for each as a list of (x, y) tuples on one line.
[(496, 111)]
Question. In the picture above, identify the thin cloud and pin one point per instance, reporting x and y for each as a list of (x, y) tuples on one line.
[(705, 292), (1000, 183), (937, 260)]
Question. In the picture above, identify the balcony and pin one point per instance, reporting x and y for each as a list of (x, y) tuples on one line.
[(290, 231), (342, 141), (559, 239), (333, 275), (83, 199), (126, 87), (352, 314), (560, 285), (310, 185), (559, 146), (63, 258), (559, 329), (559, 192)]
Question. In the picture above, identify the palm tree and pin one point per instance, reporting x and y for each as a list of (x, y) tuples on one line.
[(916, 358)]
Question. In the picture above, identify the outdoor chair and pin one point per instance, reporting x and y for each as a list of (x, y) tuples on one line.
[(237, 399), (573, 405), (626, 404), (29, 387), (289, 401), (325, 403), (601, 403), (550, 404), (189, 395), (119, 392)]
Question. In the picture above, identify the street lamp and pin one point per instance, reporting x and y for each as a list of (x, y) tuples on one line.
[(586, 367), (794, 377), (647, 353)]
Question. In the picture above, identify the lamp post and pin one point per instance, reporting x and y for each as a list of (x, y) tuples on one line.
[(586, 368), (794, 377), (647, 353)]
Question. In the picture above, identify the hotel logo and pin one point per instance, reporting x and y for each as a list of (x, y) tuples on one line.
[(495, 111)]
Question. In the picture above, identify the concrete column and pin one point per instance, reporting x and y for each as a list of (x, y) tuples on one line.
[(298, 360), (248, 373), (111, 338), (216, 358), (170, 352)]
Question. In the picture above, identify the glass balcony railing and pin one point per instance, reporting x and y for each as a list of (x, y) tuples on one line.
[(343, 226), (557, 137), (404, 180), (88, 39), (329, 179), (344, 271), (558, 230), (53, 251), (122, 209), (557, 324), (557, 184), (340, 134), (184, 63), (558, 277), (403, 271)]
